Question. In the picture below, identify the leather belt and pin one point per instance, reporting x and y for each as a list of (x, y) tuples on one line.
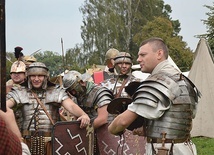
[(36, 133), (159, 140)]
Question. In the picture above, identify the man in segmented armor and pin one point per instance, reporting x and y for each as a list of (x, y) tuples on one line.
[(167, 101), (37, 102), (93, 99), (122, 65)]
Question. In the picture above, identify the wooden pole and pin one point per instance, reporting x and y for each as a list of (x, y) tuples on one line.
[(2, 57)]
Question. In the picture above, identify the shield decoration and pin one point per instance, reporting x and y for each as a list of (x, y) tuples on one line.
[(68, 138), (127, 144)]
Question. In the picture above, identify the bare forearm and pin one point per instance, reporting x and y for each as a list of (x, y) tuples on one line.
[(99, 122), (73, 108), (116, 127), (102, 117), (121, 122), (77, 111)]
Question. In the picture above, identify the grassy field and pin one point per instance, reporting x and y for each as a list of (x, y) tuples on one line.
[(205, 146)]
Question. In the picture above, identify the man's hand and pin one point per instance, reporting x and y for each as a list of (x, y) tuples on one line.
[(138, 131), (85, 120)]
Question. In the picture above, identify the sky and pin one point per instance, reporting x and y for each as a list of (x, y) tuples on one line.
[(190, 13), (41, 24)]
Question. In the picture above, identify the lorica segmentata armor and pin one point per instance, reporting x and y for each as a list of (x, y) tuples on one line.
[(178, 96), (30, 115)]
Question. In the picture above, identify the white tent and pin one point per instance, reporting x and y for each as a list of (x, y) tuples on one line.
[(202, 75)]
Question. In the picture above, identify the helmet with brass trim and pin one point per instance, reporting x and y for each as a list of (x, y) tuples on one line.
[(18, 67)]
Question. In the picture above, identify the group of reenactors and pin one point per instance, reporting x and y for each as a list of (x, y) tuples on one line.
[(108, 112), (39, 104)]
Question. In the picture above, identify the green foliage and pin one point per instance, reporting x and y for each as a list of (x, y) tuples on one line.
[(75, 59), (124, 24), (204, 145), (210, 27), (52, 60), (163, 28), (113, 23)]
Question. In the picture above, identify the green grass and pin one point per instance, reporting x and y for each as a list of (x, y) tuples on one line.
[(204, 145)]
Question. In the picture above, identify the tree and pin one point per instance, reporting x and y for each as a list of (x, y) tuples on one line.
[(116, 23), (52, 60), (163, 28), (75, 59), (210, 26)]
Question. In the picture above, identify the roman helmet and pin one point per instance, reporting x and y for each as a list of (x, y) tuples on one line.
[(71, 79), (28, 60), (38, 68), (18, 67), (122, 57), (71, 82), (111, 54)]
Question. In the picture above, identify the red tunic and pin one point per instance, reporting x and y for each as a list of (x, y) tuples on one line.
[(9, 142)]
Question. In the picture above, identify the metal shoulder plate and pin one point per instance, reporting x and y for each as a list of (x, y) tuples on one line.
[(100, 96), (55, 94), (156, 88), (194, 92), (16, 92)]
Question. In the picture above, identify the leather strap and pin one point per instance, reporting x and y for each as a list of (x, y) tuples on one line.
[(159, 140), (39, 133), (121, 87), (43, 107), (33, 116)]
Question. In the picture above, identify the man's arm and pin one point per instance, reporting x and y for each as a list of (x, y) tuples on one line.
[(10, 102), (121, 122), (73, 108), (102, 117), (9, 119)]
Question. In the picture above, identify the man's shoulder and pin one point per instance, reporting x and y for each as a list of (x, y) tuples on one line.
[(110, 80), (55, 90), (135, 79), (18, 87), (9, 82)]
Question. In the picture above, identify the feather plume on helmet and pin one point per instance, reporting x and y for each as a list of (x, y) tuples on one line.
[(18, 54)]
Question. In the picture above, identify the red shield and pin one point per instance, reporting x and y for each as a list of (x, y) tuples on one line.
[(128, 144), (69, 138)]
